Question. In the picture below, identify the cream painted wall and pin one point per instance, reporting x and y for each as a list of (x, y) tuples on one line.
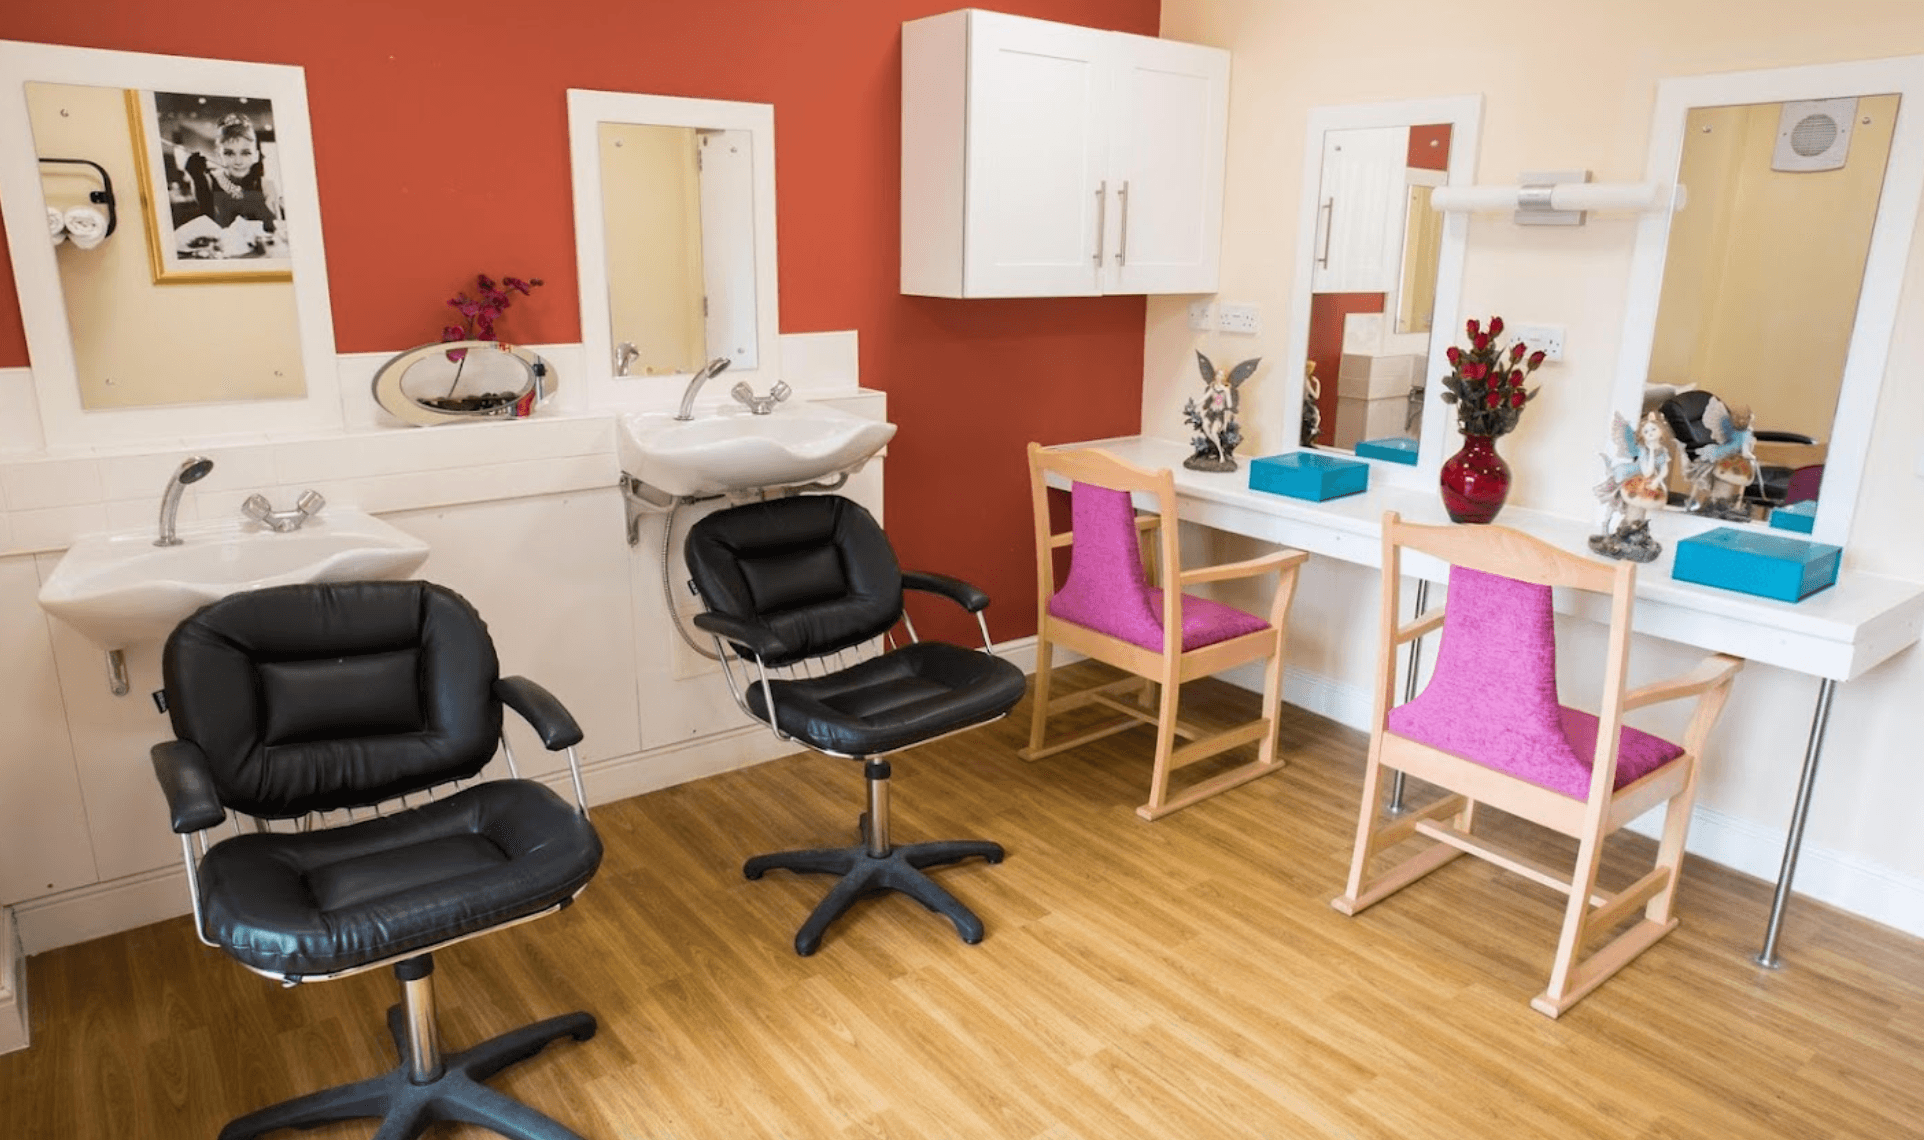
[(653, 197), (138, 344), (1574, 89)]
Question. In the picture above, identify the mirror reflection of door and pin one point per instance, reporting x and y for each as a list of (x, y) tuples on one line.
[(1373, 280), (677, 205), (138, 342), (1761, 280)]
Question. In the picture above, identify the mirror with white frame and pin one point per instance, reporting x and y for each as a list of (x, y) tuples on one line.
[(204, 311), (675, 240), (1774, 290), (1377, 272)]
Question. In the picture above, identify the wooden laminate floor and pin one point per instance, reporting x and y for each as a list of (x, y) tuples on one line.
[(1185, 978)]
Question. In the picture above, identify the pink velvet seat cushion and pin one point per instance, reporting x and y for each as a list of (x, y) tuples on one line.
[(1493, 695), (1106, 590)]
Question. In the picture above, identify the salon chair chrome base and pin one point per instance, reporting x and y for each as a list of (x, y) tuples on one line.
[(450, 1090), (873, 865)]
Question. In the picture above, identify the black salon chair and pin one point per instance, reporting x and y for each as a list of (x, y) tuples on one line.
[(321, 703), (1684, 412), (808, 586)]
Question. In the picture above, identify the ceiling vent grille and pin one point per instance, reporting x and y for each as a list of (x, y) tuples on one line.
[(1814, 134)]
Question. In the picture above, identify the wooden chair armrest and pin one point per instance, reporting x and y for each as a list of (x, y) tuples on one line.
[(1713, 671), (1249, 568), (1417, 627)]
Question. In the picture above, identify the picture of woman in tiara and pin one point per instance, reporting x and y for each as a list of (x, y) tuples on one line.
[(222, 176)]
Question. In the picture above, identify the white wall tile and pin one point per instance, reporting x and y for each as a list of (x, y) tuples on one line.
[(55, 528), (34, 484)]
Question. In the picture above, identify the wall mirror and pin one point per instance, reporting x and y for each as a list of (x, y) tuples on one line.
[(1377, 271), (1775, 288), (675, 240), (204, 311)]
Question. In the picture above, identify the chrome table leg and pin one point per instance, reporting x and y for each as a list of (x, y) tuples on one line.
[(1813, 751)]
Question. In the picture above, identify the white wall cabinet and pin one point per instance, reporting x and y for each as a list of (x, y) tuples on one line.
[(1043, 159), (1359, 212)]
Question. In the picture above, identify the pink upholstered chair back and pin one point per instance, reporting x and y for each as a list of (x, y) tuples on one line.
[(1492, 697), (1107, 590)]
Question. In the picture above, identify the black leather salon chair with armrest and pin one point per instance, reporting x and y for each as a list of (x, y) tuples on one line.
[(802, 585), (305, 707)]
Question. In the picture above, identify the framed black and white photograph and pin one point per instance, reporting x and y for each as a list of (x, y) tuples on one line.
[(210, 187)]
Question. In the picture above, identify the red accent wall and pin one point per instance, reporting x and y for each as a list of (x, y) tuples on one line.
[(1326, 313), (1430, 147), (440, 137)]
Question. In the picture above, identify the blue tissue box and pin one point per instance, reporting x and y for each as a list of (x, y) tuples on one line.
[(1308, 475), (1800, 517), (1395, 448), (1757, 562)]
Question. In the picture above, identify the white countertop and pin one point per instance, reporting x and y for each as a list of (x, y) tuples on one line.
[(1837, 633)]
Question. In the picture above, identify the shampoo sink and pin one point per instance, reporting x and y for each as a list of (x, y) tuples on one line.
[(121, 589), (734, 450)]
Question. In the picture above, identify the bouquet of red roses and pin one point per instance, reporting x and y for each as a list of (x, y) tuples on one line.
[(1486, 380)]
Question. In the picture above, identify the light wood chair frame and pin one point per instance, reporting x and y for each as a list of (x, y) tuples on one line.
[(1449, 822), (1166, 668)]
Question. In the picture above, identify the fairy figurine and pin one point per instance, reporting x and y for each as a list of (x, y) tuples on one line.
[(1636, 482), (1213, 416), (1720, 472)]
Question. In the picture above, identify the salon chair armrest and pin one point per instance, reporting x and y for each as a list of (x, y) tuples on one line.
[(954, 589), (1782, 437), (541, 709), (759, 640), (188, 785)]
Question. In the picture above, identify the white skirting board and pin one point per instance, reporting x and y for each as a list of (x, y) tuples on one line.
[(1840, 880), (13, 987), (101, 909)]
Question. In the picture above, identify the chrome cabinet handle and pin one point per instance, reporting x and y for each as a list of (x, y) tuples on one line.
[(1102, 218), (1122, 238), (1329, 228)]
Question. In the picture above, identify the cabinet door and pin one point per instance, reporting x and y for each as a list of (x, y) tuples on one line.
[(1169, 125), (1359, 215), (1035, 160)]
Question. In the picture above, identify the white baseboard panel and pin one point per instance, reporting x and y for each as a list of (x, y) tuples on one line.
[(1837, 878), (13, 987), (100, 909)]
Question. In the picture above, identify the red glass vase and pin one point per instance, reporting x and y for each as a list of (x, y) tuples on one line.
[(1475, 481)]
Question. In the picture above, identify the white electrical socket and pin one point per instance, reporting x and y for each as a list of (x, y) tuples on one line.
[(1202, 316), (1241, 319), (1547, 339)]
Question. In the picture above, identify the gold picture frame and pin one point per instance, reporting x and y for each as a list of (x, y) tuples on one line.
[(203, 225)]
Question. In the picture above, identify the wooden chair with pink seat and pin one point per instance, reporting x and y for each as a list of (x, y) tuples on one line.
[(1490, 730), (1109, 610)]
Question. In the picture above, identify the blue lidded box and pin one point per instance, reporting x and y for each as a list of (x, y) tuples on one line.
[(1308, 475), (1800, 517), (1757, 562), (1395, 449)]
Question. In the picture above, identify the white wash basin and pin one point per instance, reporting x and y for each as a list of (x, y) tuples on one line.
[(735, 450), (121, 589)]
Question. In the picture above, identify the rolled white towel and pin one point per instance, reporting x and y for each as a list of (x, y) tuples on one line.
[(86, 226), (56, 225)]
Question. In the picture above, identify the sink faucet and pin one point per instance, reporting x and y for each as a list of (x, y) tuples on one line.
[(625, 354), (281, 522), (760, 405), (712, 368), (192, 471)]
